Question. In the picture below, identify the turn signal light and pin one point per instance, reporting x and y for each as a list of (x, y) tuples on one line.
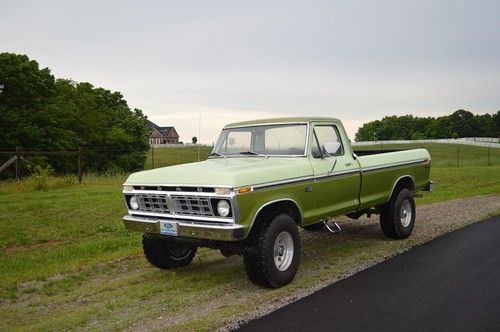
[(244, 190)]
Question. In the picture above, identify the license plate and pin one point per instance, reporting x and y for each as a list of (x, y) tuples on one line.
[(168, 228)]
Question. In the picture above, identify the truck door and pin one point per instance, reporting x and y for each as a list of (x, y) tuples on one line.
[(336, 175)]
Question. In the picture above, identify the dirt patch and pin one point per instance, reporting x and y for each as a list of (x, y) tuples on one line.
[(10, 250)]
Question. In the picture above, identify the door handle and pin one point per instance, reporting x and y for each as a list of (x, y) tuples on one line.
[(348, 164)]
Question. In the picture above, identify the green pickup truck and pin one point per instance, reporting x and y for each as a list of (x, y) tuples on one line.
[(262, 181)]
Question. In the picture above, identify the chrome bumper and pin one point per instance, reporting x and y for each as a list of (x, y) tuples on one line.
[(187, 229)]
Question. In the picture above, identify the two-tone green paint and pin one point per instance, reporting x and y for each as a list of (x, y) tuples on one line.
[(320, 187)]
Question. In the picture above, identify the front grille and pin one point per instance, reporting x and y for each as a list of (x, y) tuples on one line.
[(192, 205), (153, 203)]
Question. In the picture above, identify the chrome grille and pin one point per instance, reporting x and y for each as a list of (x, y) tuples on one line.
[(153, 203), (192, 205)]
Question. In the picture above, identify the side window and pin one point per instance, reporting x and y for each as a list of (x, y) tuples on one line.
[(325, 134)]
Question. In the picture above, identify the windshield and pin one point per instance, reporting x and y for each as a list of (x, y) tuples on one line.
[(269, 140)]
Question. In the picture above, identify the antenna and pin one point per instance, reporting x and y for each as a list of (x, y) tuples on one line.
[(199, 131)]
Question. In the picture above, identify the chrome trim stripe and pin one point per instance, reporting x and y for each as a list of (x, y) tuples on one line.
[(282, 182), (178, 185), (337, 174), (391, 165), (268, 124), (334, 174), (179, 216), (180, 193), (304, 179)]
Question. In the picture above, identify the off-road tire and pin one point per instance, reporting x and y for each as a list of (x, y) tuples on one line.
[(166, 253), (319, 226), (259, 255), (392, 219)]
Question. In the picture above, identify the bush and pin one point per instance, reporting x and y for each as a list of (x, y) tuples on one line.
[(41, 176)]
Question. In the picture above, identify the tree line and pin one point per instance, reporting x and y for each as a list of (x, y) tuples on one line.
[(41, 113), (460, 123)]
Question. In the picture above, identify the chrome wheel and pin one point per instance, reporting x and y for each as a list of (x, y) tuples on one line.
[(283, 251), (405, 213)]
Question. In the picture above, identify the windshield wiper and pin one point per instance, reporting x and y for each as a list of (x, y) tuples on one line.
[(251, 153)]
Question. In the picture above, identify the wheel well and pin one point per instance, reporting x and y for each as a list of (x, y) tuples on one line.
[(403, 182), (270, 210)]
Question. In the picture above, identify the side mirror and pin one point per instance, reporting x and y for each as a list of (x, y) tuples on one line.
[(332, 147)]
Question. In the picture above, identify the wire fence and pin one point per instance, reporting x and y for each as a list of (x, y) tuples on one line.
[(443, 154), (491, 142)]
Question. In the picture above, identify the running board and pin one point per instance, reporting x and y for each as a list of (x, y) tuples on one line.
[(333, 230)]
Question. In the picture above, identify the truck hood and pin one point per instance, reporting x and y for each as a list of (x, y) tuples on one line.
[(234, 172)]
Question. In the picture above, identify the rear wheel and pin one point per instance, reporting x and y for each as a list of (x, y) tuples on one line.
[(166, 253), (397, 217), (272, 256)]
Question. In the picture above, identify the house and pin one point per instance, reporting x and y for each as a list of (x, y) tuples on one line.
[(162, 135)]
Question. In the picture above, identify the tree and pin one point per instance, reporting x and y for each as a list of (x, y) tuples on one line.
[(194, 139), (465, 124), (496, 122), (459, 124), (23, 103), (40, 113)]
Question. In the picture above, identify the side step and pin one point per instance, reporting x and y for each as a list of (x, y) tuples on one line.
[(333, 230)]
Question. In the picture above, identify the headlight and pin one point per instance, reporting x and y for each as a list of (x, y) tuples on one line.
[(133, 203), (223, 208)]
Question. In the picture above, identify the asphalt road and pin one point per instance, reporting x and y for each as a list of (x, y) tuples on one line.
[(450, 283)]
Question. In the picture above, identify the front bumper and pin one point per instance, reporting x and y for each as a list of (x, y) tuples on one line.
[(187, 229)]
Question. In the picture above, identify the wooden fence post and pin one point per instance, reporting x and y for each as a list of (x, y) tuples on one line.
[(80, 164), (18, 163), (152, 156)]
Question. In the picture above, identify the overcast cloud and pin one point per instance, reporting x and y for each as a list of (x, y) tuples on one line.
[(235, 60)]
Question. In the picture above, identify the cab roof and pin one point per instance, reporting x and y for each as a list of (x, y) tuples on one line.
[(303, 119)]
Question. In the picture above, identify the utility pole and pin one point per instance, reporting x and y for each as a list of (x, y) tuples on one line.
[(199, 130)]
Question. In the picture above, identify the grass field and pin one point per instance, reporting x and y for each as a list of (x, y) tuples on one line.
[(58, 247), (443, 155)]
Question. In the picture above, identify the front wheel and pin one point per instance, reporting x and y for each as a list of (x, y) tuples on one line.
[(397, 217), (272, 256), (166, 253)]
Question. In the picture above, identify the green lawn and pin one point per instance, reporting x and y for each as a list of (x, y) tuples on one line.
[(176, 155), (53, 243), (445, 155)]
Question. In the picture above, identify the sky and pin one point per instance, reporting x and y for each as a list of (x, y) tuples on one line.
[(239, 60)]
